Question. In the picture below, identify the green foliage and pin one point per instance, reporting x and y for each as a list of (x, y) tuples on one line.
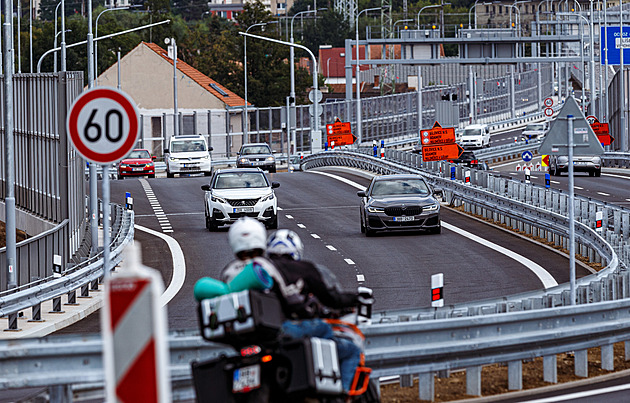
[(329, 29)]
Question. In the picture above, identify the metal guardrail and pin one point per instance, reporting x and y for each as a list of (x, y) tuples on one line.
[(75, 277)]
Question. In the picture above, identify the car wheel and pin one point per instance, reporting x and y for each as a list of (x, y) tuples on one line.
[(274, 223), (207, 173), (152, 176), (436, 230), (211, 225), (591, 173), (169, 175), (120, 177), (598, 173), (272, 170), (362, 227)]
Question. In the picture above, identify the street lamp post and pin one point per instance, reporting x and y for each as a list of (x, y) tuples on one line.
[(55, 39), (63, 35), (469, 11), (358, 73), (315, 84), (327, 67), (96, 36), (425, 7), (292, 72), (245, 123), (406, 20)]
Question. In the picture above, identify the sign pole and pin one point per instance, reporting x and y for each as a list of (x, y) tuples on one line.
[(571, 211), (106, 210)]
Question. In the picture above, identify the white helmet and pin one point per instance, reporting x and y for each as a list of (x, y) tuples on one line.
[(285, 242), (247, 234)]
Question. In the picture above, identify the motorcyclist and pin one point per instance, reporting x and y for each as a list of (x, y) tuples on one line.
[(294, 282)]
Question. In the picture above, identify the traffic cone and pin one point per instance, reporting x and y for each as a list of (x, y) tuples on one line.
[(518, 167)]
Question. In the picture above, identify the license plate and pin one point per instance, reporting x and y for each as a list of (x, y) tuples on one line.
[(243, 209), (246, 379), (579, 162), (137, 169), (258, 163), (405, 218)]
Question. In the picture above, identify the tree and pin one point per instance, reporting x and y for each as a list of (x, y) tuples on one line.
[(329, 29)]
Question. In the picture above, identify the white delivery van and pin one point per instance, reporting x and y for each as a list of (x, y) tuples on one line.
[(188, 155)]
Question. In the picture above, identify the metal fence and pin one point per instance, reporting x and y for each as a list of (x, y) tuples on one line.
[(49, 185), (383, 118)]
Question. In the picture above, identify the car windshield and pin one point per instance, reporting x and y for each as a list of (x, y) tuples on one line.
[(400, 187), (183, 146), (240, 180), (539, 127), (255, 150), (471, 132), (140, 154)]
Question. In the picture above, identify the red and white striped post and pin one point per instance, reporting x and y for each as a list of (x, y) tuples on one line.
[(437, 290), (599, 218), (135, 350), (467, 177)]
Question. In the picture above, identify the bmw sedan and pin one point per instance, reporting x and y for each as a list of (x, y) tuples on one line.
[(240, 192), (399, 202)]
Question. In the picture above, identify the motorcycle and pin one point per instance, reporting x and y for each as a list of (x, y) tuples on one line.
[(269, 367)]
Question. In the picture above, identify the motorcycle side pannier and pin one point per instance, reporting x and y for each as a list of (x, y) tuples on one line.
[(315, 366), (244, 315)]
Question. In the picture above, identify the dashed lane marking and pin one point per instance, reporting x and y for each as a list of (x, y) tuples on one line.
[(163, 220), (360, 278), (315, 236), (331, 247), (301, 226), (289, 216), (349, 261), (603, 194)]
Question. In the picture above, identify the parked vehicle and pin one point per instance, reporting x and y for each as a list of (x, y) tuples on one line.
[(399, 202), (139, 162), (581, 163), (188, 155), (535, 131), (475, 136), (238, 192), (256, 155)]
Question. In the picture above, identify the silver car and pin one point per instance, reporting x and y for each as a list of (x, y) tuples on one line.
[(581, 163)]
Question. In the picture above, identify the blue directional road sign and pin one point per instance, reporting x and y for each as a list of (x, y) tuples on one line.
[(610, 36), (527, 156)]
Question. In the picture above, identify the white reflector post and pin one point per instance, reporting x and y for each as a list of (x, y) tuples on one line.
[(135, 349), (57, 266), (528, 175), (599, 217), (467, 177), (437, 290)]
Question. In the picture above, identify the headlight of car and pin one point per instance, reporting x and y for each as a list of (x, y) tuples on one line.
[(124, 165), (372, 209), (243, 160), (217, 199), (205, 157), (431, 207), (173, 159), (268, 197), (270, 159)]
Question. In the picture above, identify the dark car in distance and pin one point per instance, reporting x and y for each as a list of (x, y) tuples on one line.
[(139, 162), (256, 155), (399, 202)]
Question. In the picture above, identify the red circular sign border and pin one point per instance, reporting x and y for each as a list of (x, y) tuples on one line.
[(548, 109), (73, 117), (545, 102)]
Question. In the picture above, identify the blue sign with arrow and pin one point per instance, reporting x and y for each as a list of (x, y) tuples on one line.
[(527, 156)]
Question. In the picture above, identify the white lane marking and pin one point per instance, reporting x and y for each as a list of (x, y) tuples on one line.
[(360, 277), (628, 200), (279, 208), (578, 395), (163, 220), (578, 188), (544, 276), (555, 182), (349, 261), (331, 247), (289, 216), (301, 226), (603, 194), (179, 264), (615, 176), (315, 236)]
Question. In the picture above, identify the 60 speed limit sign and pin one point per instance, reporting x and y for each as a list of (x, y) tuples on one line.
[(103, 125)]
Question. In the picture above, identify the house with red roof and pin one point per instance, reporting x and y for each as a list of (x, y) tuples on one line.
[(146, 74)]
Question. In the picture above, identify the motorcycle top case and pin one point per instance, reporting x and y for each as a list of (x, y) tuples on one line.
[(315, 366), (241, 315)]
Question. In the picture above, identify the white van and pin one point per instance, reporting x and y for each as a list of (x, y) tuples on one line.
[(188, 155), (475, 136)]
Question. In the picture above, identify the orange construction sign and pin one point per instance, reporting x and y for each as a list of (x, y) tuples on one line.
[(338, 128), (437, 135), (342, 139), (340, 133), (441, 152)]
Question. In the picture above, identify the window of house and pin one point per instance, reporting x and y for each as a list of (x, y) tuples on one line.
[(487, 11)]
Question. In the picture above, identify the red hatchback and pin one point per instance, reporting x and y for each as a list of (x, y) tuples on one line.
[(138, 163)]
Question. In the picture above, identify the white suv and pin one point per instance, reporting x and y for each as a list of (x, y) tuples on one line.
[(188, 155), (535, 131), (239, 192), (475, 136)]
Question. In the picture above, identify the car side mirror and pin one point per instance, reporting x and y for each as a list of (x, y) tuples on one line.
[(153, 157), (166, 151), (438, 192), (275, 185), (210, 148), (205, 187), (361, 193)]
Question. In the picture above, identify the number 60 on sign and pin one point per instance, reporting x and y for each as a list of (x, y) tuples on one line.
[(103, 125)]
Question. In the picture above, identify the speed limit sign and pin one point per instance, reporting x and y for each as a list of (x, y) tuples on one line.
[(548, 112), (548, 102), (103, 125)]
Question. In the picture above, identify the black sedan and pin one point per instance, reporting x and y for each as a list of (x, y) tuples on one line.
[(399, 202)]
